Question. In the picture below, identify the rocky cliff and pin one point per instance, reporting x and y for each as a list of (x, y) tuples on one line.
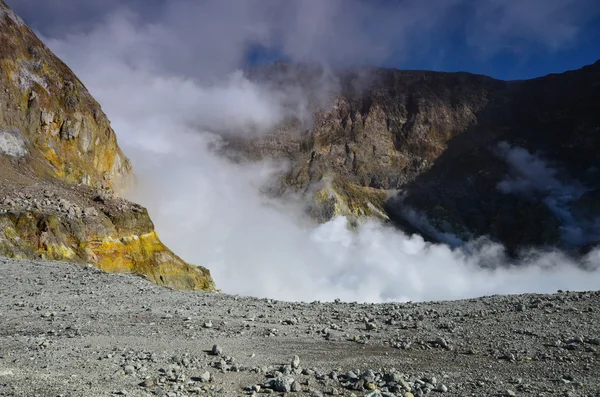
[(61, 164), (444, 153)]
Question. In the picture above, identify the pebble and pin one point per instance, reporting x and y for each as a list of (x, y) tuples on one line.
[(295, 386), (147, 383), (442, 343), (295, 362), (205, 377), (178, 364), (217, 350), (282, 384)]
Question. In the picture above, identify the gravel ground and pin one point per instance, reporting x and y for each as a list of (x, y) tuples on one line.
[(69, 330)]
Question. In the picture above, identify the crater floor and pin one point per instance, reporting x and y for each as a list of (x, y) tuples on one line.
[(71, 330)]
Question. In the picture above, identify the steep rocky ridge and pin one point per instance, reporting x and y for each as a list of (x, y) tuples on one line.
[(60, 165), (430, 141)]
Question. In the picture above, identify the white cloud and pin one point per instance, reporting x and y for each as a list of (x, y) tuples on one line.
[(184, 34), (533, 176), (211, 212)]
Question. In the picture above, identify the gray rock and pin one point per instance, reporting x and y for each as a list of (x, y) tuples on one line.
[(217, 350), (295, 362), (370, 326), (282, 384), (291, 321), (296, 386), (286, 369), (405, 385), (205, 377), (147, 383), (368, 376), (442, 343)]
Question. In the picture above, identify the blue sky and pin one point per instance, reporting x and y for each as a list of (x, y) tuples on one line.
[(518, 59), (533, 61), (506, 39)]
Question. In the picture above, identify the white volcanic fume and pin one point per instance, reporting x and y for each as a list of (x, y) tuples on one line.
[(534, 177), (211, 212)]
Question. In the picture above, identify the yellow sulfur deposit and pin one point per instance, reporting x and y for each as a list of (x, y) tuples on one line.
[(59, 148)]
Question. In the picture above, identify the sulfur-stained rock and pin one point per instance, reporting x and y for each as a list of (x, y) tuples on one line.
[(60, 165), (113, 234), (48, 104)]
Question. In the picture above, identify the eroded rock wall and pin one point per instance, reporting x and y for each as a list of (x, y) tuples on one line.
[(64, 130), (429, 141), (60, 166)]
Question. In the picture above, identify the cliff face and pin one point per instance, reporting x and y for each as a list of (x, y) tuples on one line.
[(51, 114), (438, 146), (60, 165)]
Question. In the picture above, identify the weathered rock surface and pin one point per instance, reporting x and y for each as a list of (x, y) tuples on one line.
[(430, 140), (77, 331), (60, 163), (80, 224), (63, 131)]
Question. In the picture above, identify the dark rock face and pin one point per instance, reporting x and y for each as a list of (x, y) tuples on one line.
[(453, 144)]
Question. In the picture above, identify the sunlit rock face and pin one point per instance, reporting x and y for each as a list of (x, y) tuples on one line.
[(61, 167), (432, 151), (68, 134)]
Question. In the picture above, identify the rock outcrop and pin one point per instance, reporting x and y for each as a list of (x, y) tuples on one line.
[(60, 165), (438, 144)]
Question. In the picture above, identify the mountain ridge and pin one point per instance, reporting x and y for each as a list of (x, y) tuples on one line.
[(429, 134)]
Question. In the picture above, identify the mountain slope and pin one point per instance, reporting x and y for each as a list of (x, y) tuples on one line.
[(60, 164), (446, 148)]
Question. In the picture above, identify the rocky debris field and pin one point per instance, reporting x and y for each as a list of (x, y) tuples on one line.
[(71, 202), (71, 330)]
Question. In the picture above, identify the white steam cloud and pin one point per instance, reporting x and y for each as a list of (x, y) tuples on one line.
[(534, 177), (211, 212)]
